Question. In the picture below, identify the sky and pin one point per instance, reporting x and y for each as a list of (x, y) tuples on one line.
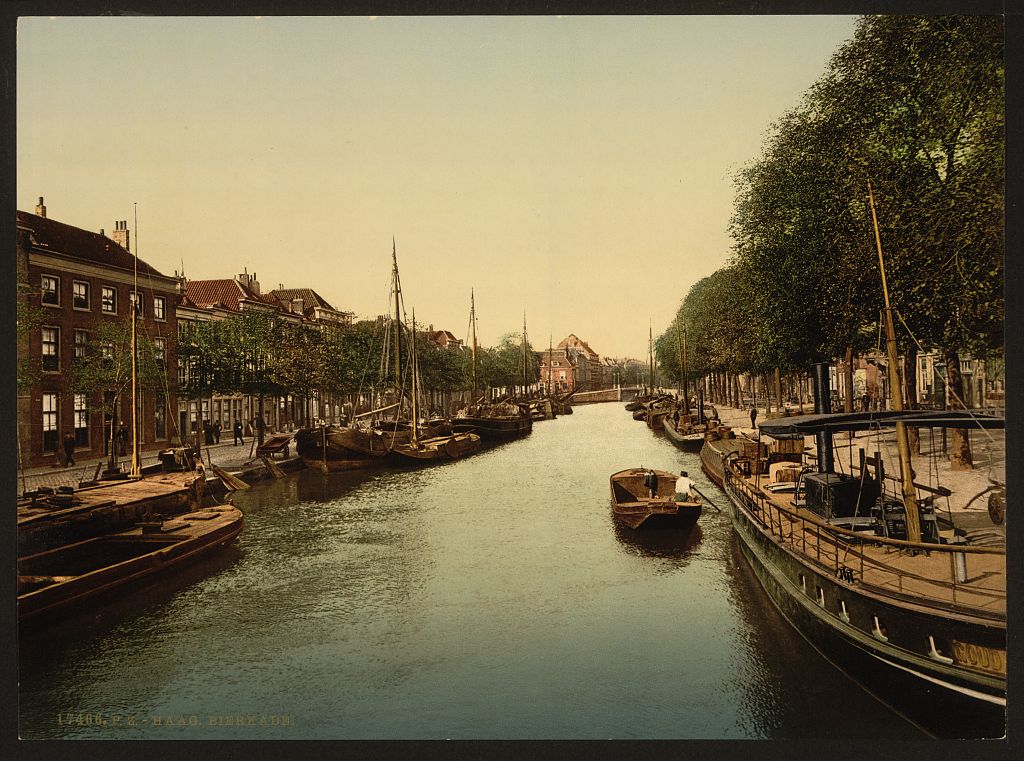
[(576, 169)]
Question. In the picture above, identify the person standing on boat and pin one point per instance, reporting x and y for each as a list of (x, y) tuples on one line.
[(69, 448), (651, 483), (684, 488), (238, 433), (675, 419), (753, 416)]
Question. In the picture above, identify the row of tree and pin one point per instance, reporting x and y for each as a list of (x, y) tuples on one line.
[(915, 106)]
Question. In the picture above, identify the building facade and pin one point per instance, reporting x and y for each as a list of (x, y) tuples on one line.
[(74, 281)]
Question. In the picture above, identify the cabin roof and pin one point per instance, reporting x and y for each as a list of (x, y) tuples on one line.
[(806, 425)]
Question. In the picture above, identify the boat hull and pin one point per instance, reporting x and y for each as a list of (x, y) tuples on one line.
[(845, 623), (437, 449), (69, 578), (633, 508), (689, 442), (494, 429)]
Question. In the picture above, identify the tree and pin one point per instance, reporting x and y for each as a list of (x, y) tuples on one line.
[(105, 372)]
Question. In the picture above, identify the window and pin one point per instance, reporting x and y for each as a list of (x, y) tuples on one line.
[(81, 421), (107, 351), (81, 342), (159, 350), (160, 307), (80, 294), (50, 430), (138, 301), (50, 287), (108, 296), (51, 349)]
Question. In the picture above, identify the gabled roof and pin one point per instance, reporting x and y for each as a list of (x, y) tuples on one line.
[(310, 298), (227, 292), (59, 238), (576, 342)]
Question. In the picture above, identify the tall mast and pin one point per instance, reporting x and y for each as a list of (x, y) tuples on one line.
[(686, 385), (902, 441), (398, 318), (136, 465), (551, 372), (472, 324), (415, 408), (650, 355), (524, 354)]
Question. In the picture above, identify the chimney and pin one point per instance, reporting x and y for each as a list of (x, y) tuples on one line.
[(121, 236), (254, 284), (103, 232), (40, 209)]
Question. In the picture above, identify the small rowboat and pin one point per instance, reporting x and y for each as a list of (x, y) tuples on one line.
[(438, 448), (633, 506)]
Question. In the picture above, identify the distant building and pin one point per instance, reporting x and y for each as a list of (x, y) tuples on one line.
[(311, 305), (574, 365), (444, 339), (79, 280)]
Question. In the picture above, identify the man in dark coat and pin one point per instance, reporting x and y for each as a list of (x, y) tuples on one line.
[(122, 439), (216, 432), (238, 433), (69, 448), (753, 416)]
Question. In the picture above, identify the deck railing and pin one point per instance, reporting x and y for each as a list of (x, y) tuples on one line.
[(841, 551)]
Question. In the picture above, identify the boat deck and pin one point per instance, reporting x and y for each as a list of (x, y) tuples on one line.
[(919, 576)]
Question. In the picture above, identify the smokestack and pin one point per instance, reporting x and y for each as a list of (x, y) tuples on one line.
[(823, 406), (40, 209)]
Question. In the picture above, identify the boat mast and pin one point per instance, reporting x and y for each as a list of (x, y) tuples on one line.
[(472, 325), (902, 441), (398, 319), (650, 355), (682, 368), (415, 409), (136, 465), (551, 374), (524, 354)]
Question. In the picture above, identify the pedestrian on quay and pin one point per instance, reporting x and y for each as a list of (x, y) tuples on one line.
[(753, 416), (217, 427), (238, 433), (69, 448), (261, 429), (122, 439), (207, 432)]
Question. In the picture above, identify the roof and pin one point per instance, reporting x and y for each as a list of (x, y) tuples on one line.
[(785, 427), (206, 293), (576, 342), (310, 298), (51, 235)]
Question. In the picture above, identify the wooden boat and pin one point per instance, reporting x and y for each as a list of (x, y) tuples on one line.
[(434, 448), (493, 422), (358, 446), (78, 574), (686, 436), (633, 506), (437, 448), (48, 518)]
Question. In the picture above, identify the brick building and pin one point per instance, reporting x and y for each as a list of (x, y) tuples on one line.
[(77, 280), (573, 365)]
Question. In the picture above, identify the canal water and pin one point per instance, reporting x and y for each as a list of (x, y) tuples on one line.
[(492, 597)]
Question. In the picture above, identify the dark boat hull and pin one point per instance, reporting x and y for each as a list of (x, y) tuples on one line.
[(690, 442), (67, 578), (494, 429), (452, 447), (943, 699)]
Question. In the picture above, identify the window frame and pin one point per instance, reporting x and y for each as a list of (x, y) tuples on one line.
[(56, 348), (81, 345), (103, 300), (43, 291), (162, 301), (51, 422), (81, 415), (88, 295), (139, 299)]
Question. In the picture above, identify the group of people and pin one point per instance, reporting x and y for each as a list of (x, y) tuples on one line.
[(212, 432), (686, 490)]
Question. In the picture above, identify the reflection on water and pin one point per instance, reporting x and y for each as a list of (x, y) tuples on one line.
[(490, 597)]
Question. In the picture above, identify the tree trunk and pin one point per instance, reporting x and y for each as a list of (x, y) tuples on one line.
[(960, 457)]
